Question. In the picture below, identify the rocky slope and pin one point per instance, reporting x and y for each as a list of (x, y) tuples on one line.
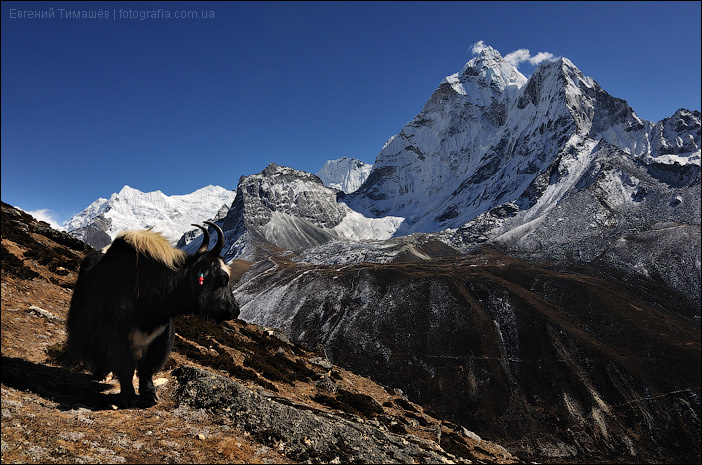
[(559, 361), (601, 211), (232, 393)]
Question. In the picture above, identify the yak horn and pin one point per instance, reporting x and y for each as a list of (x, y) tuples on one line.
[(217, 249), (205, 239)]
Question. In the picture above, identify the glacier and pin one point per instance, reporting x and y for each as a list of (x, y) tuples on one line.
[(345, 174)]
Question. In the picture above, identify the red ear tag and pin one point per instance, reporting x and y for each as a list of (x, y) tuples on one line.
[(201, 279)]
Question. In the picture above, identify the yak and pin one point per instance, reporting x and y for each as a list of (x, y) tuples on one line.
[(123, 303)]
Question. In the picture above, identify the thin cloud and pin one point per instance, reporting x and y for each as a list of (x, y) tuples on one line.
[(48, 216), (523, 56), (518, 56), (541, 56)]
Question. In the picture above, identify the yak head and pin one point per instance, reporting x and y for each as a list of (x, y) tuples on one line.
[(209, 278)]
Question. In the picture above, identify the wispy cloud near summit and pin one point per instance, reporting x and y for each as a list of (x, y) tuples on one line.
[(516, 57), (478, 47), (522, 55)]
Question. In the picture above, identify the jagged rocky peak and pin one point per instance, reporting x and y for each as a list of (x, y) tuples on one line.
[(467, 134), (559, 86), (594, 111), (293, 210), (559, 91), (283, 207), (288, 191), (677, 139)]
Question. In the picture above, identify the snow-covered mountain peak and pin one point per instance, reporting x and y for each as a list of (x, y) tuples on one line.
[(127, 190), (574, 77), (490, 68), (560, 73), (488, 132), (488, 58)]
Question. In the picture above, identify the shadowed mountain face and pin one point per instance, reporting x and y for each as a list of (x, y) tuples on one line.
[(558, 362)]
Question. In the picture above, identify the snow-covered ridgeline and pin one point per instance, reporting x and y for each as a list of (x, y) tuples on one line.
[(171, 215)]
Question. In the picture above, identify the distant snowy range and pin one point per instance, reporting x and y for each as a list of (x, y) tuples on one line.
[(511, 237), (130, 208)]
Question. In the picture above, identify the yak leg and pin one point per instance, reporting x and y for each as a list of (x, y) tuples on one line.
[(125, 373), (153, 360)]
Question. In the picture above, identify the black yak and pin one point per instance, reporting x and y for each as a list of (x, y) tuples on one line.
[(120, 318)]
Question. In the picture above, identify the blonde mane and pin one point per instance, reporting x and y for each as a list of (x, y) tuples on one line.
[(156, 246)]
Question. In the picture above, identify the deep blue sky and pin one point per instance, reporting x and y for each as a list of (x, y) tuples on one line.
[(89, 105)]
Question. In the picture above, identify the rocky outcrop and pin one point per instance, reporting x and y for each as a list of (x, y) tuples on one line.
[(301, 433), (281, 207)]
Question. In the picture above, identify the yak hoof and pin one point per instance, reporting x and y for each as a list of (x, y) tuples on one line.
[(149, 397), (126, 402)]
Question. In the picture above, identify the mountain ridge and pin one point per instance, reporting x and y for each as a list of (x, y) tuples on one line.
[(491, 156)]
